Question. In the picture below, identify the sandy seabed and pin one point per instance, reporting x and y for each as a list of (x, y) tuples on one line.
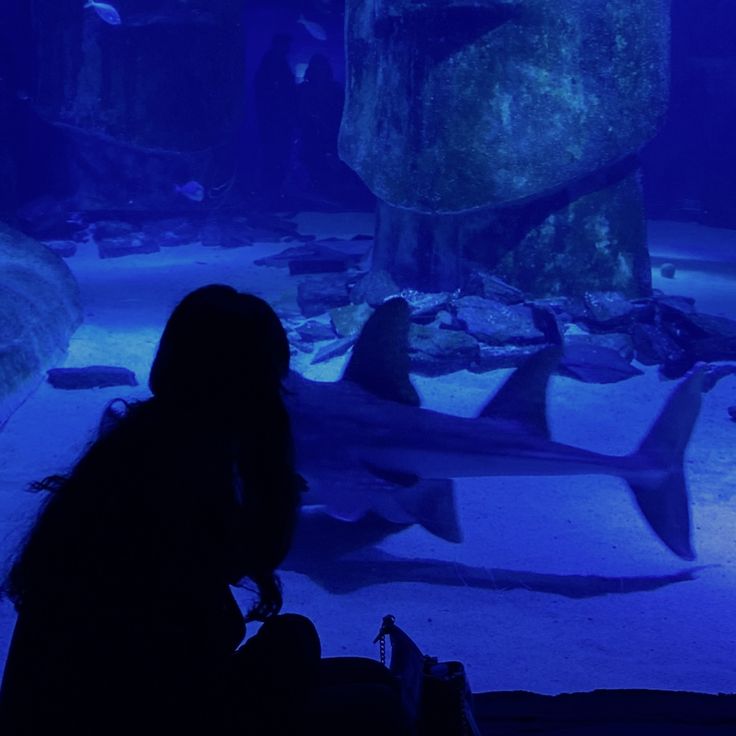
[(569, 590)]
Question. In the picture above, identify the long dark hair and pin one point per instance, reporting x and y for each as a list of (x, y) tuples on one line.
[(203, 469)]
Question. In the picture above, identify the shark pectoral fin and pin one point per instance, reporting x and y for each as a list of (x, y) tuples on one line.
[(431, 504), (523, 397), (395, 477), (347, 507), (427, 502), (380, 360)]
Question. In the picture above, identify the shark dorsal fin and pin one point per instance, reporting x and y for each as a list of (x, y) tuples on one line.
[(380, 360), (523, 398)]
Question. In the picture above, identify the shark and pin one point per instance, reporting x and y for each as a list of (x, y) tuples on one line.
[(372, 455)]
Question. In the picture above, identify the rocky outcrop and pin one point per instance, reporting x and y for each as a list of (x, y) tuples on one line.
[(546, 247), (454, 106), (39, 305), (507, 132)]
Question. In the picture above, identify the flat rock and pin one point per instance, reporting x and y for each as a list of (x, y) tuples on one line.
[(495, 357), (608, 308), (434, 352), (235, 241), (333, 350), (489, 286), (426, 306), (643, 310), (313, 331), (675, 306), (170, 232), (713, 349), (711, 325), (91, 376), (705, 337), (124, 246), (223, 235), (318, 295), (272, 223), (312, 258), (324, 264), (495, 323), (329, 254), (374, 288), (300, 346), (567, 309), (348, 321), (113, 229), (621, 342), (595, 364), (654, 346)]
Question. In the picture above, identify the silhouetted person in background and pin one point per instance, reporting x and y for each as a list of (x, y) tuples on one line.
[(276, 113), (320, 111), (126, 621)]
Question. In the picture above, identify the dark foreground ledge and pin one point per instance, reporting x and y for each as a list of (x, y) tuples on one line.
[(606, 712)]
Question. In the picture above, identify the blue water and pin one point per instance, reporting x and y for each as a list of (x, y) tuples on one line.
[(558, 584)]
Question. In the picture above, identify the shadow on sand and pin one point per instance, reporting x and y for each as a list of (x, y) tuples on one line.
[(340, 557)]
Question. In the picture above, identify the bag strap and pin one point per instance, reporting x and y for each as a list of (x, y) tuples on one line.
[(407, 664), (428, 685), (404, 652), (386, 624)]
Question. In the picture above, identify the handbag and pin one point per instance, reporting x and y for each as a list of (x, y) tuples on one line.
[(436, 695)]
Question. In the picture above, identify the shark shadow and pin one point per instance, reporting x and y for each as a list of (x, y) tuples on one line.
[(340, 557), (378, 567)]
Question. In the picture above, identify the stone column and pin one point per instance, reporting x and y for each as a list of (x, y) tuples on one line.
[(497, 111)]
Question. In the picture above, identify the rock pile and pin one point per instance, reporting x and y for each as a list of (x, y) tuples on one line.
[(489, 325)]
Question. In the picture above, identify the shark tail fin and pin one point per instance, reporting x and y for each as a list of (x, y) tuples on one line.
[(663, 499), (432, 503)]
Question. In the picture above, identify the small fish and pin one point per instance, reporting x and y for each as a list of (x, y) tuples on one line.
[(300, 70), (106, 11), (314, 29), (191, 190)]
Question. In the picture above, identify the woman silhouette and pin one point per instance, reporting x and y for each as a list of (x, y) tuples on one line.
[(126, 621)]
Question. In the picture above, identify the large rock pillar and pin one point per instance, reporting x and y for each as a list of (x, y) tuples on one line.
[(551, 246), (452, 109)]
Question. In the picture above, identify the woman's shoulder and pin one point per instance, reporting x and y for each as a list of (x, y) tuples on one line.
[(135, 442), (149, 425)]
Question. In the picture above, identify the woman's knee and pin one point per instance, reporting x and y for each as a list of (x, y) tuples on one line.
[(284, 656), (292, 632)]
